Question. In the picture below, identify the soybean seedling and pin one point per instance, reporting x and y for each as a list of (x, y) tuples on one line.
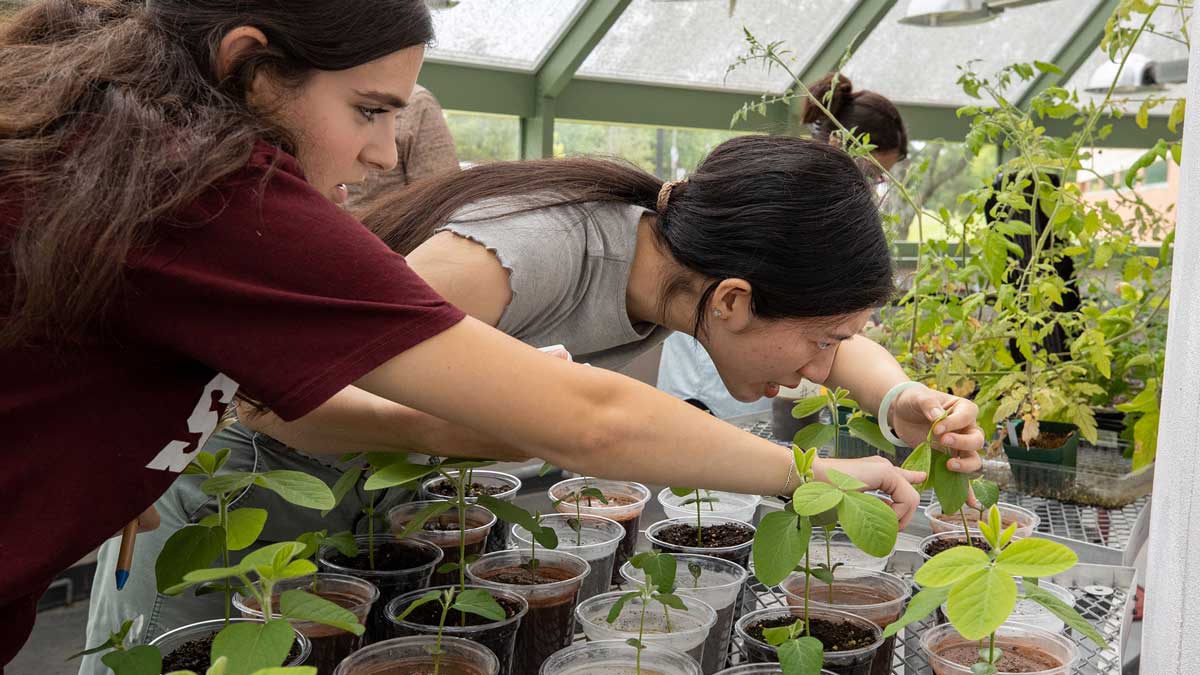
[(963, 576), (658, 586), (576, 497), (694, 497), (951, 488), (857, 423), (475, 601)]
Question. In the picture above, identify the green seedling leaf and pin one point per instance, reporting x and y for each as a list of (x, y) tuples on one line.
[(227, 484), (245, 525), (922, 605), (814, 435), (1036, 558), (808, 406), (867, 431), (303, 606), (462, 464), (682, 492), (980, 603), (345, 483), (1065, 612), (423, 516), (821, 573), (778, 635), (116, 639), (802, 656), (397, 473), (270, 556), (206, 462), (297, 568), (671, 600), (986, 492), (592, 493), (815, 497), (635, 643), (870, 524), (480, 603), (919, 460), (1007, 535), (139, 660), (189, 549), (429, 597), (252, 646), (951, 487), (298, 488), (659, 568), (843, 481), (547, 467), (696, 571), (779, 546), (512, 513), (447, 568), (984, 668), (615, 610), (220, 458), (949, 567)]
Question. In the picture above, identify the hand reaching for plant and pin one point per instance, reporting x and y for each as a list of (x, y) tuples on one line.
[(918, 407), (879, 474)]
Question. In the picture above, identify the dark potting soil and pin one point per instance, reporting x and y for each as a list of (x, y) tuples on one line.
[(1049, 440), (712, 536), (430, 614), (196, 655), (550, 623), (521, 576), (388, 556), (939, 545), (1013, 658), (445, 489), (836, 636)]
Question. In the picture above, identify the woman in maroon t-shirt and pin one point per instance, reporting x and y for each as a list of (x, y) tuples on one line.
[(169, 180)]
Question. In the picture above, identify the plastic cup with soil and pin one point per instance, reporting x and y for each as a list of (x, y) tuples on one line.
[(1029, 613), (683, 630), (595, 541), (498, 636), (615, 657), (190, 647), (1048, 462), (329, 644), (446, 532), (1024, 649), (842, 551), (944, 541), (720, 537), (502, 486), (728, 504), (626, 501), (878, 597), (400, 566), (759, 669), (719, 584), (1027, 521), (850, 641), (551, 589), (414, 656)]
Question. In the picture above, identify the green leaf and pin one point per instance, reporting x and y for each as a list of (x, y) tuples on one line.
[(802, 656), (779, 546), (815, 497), (227, 484), (397, 473), (345, 483), (192, 548), (870, 524), (114, 639), (843, 481), (429, 597), (252, 646), (781, 634), (984, 668), (867, 431), (221, 457), (1036, 558), (1065, 612), (418, 521), (1047, 67), (547, 467), (660, 569), (298, 488), (950, 486), (206, 462), (681, 492), (297, 568), (512, 513), (986, 492), (140, 660), (808, 406), (920, 606), (950, 567), (303, 606), (814, 435), (919, 460), (480, 603), (615, 610), (245, 525), (671, 600), (979, 604)]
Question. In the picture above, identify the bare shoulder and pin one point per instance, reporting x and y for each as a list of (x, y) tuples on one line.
[(464, 272)]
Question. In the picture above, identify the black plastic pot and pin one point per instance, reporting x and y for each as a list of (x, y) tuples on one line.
[(1039, 469)]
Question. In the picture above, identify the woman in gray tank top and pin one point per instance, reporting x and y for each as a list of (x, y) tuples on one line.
[(771, 255)]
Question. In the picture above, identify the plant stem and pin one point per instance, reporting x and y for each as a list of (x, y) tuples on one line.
[(807, 579), (992, 649), (966, 529), (371, 532), (829, 561), (437, 657), (667, 617), (578, 522), (462, 534), (641, 632), (223, 508), (699, 531)]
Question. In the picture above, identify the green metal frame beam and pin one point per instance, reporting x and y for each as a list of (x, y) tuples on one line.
[(1075, 52), (850, 33)]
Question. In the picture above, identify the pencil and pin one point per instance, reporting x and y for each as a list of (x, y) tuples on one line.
[(125, 558)]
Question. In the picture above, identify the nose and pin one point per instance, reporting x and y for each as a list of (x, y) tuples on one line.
[(817, 369), (380, 152)]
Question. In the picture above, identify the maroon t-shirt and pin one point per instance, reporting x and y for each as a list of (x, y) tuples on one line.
[(262, 284)]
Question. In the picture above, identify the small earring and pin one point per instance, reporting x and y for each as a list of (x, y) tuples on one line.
[(717, 313)]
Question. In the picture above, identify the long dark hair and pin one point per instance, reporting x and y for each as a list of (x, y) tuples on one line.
[(112, 118), (796, 218), (864, 111)]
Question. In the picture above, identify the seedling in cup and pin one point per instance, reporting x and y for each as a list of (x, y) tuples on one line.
[(659, 586)]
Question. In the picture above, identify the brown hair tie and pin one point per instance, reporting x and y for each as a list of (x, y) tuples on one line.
[(664, 195)]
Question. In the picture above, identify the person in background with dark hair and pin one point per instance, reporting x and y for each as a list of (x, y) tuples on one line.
[(686, 370)]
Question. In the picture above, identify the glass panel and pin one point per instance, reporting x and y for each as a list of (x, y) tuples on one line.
[(951, 171), (915, 64), (693, 43), (505, 33), (484, 138), (668, 153)]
